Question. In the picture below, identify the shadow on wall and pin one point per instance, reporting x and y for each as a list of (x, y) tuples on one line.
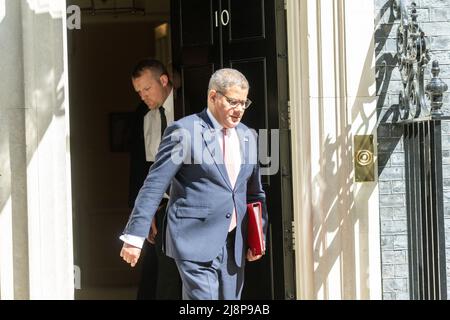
[(330, 214), (5, 164), (32, 115), (341, 231), (28, 119), (388, 112), (390, 152), (2, 10)]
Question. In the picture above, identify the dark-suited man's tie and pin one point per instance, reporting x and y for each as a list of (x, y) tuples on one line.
[(228, 159), (163, 128), (163, 120)]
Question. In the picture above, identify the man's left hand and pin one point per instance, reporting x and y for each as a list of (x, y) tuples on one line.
[(251, 257), (153, 232)]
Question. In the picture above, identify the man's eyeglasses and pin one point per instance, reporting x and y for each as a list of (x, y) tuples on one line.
[(234, 103)]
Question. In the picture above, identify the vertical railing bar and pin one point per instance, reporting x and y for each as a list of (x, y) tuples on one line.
[(417, 211), (414, 235), (413, 212), (436, 185), (417, 163), (409, 208), (421, 199), (434, 205), (435, 209), (429, 244), (423, 213), (439, 220)]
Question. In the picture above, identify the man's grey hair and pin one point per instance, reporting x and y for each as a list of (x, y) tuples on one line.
[(223, 79)]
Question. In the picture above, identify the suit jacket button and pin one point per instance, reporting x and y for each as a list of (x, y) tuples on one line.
[(228, 215)]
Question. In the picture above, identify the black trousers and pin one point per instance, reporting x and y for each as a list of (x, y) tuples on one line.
[(160, 279)]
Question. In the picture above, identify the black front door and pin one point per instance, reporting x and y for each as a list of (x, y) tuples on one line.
[(249, 36)]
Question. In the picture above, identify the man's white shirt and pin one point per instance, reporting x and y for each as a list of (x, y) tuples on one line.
[(152, 127)]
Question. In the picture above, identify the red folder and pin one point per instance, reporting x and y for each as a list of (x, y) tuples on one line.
[(255, 236)]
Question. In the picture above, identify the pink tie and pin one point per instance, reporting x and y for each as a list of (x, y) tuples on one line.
[(228, 160)]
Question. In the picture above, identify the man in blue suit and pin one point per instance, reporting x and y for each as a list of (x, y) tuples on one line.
[(210, 161)]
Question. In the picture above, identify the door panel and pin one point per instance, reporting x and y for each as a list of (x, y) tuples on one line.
[(254, 70), (196, 50), (194, 81), (197, 27), (247, 21), (256, 116)]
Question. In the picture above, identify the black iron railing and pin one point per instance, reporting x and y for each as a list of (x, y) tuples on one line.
[(422, 118), (425, 209)]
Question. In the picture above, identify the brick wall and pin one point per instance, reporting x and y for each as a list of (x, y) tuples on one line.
[(434, 18)]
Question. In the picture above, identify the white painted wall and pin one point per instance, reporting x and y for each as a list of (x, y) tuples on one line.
[(332, 83), (36, 255)]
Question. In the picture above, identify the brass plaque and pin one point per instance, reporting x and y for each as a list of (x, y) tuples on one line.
[(364, 158)]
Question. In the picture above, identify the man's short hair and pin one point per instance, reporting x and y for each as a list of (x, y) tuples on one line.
[(225, 78), (156, 67)]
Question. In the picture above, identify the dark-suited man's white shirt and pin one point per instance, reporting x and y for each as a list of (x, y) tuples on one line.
[(152, 127)]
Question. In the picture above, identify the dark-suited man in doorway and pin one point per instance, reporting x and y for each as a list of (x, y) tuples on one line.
[(210, 161), (160, 278)]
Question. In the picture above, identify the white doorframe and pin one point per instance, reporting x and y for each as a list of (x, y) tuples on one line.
[(333, 98), (48, 194)]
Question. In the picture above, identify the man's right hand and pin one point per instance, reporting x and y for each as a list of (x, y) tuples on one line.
[(130, 254)]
